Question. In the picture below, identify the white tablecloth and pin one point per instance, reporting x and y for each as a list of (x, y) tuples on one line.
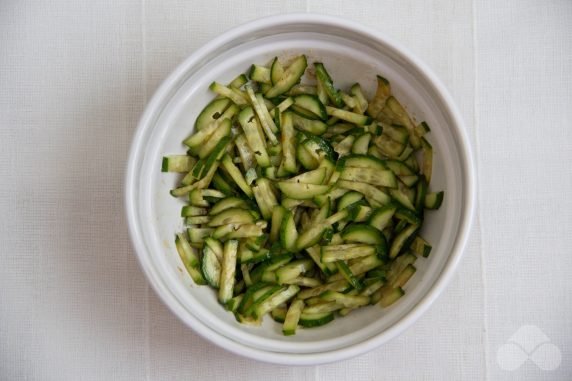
[(74, 78)]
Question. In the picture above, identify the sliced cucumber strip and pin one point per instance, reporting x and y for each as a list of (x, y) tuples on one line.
[(390, 296), (302, 191), (288, 232), (211, 267), (236, 175), (348, 199), (292, 317), (401, 241), (177, 163), (348, 116), (288, 143), (227, 278), (421, 247), (348, 274), (309, 320), (361, 144), (289, 77), (327, 84), (315, 127), (361, 233), (236, 96), (434, 200), (232, 216), (384, 178), (360, 100), (316, 177), (238, 82), (211, 112), (374, 196), (312, 104), (260, 74), (345, 300), (381, 94), (255, 140), (276, 71), (335, 253)]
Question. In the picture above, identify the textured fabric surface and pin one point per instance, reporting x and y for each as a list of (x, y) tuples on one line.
[(524, 147), (74, 79)]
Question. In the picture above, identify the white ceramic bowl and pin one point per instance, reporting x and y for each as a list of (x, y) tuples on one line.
[(352, 53)]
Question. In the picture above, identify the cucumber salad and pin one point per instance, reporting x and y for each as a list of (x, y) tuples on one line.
[(302, 200)]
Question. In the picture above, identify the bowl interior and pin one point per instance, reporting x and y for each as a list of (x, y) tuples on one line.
[(349, 57)]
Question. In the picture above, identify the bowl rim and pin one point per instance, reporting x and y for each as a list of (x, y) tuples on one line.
[(469, 190)]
